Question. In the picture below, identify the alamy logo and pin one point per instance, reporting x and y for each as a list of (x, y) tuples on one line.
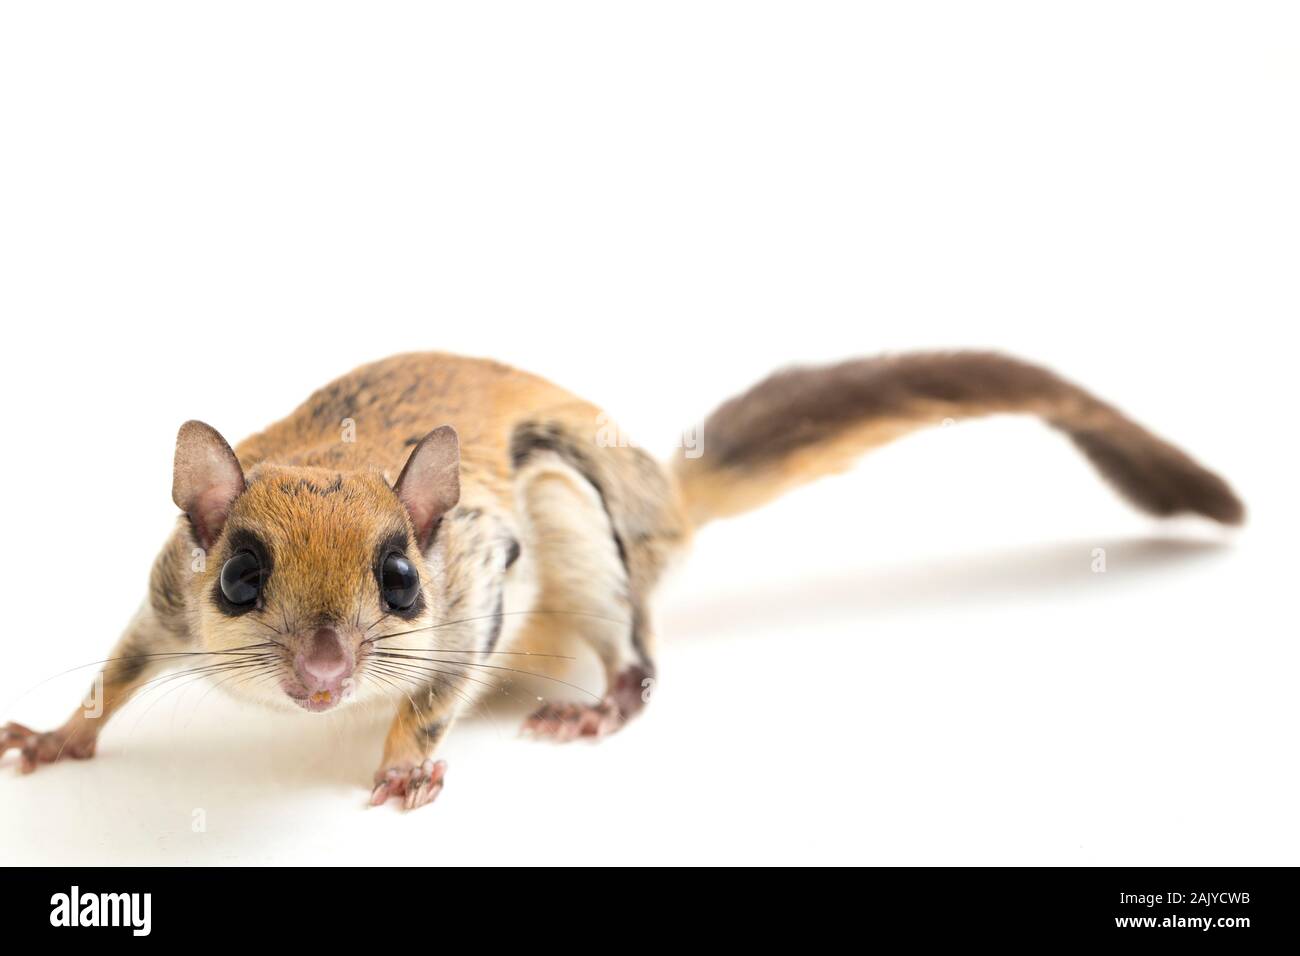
[(102, 909)]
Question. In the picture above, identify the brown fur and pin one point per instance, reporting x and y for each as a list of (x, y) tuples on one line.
[(323, 526), (395, 402), (803, 423)]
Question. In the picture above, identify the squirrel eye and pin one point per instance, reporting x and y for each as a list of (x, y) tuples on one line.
[(399, 582), (241, 578)]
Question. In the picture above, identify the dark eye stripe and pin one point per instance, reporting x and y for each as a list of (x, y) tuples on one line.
[(243, 574)]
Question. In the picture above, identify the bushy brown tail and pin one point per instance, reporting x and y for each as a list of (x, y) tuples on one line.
[(802, 423)]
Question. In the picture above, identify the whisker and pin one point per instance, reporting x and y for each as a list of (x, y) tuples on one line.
[(450, 686), (407, 694), (498, 667), (270, 627), (221, 666), (245, 651), (413, 672), (416, 668), (488, 617), (267, 669), (201, 670), (408, 672), (193, 674), (486, 653), (384, 684)]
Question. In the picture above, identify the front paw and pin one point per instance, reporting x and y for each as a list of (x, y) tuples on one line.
[(37, 748), (418, 783)]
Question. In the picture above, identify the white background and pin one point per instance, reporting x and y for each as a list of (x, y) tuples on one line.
[(209, 211)]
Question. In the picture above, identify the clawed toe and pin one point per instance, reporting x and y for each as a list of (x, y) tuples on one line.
[(417, 785), (13, 736), (35, 748)]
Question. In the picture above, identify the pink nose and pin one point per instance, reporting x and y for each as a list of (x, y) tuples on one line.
[(325, 660)]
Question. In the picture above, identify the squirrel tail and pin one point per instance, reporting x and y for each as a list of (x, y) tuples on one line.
[(803, 423)]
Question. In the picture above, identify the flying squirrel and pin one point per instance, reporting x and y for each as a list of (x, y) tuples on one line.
[(421, 527)]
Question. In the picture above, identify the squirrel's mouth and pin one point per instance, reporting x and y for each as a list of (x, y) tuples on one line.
[(317, 701)]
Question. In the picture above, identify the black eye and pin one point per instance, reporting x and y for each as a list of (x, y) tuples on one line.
[(399, 582), (241, 579)]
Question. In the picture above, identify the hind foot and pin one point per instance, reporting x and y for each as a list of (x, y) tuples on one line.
[(569, 721)]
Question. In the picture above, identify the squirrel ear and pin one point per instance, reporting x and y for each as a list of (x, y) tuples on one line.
[(206, 479), (429, 485)]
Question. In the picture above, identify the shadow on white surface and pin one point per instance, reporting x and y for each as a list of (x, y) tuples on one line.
[(203, 778), (1058, 570)]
